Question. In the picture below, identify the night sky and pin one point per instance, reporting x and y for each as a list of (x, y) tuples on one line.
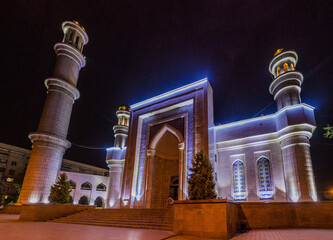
[(139, 49)]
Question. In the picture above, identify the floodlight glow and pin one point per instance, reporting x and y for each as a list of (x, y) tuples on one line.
[(302, 105), (112, 148), (178, 90)]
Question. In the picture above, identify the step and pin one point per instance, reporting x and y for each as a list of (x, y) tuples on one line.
[(127, 218), (121, 225)]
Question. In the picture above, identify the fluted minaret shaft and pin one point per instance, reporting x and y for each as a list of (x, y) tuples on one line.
[(49, 142), (295, 145)]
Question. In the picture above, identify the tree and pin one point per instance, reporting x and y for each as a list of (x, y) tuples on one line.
[(329, 131), (60, 190), (3, 193), (201, 184)]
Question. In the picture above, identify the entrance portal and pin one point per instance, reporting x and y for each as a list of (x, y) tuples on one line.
[(165, 170)]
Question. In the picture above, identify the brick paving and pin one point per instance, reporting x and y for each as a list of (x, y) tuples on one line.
[(286, 234), (13, 229), (274, 234)]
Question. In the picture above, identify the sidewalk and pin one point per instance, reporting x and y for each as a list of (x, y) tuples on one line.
[(11, 228)]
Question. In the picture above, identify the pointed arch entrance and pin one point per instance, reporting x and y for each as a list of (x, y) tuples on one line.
[(165, 165)]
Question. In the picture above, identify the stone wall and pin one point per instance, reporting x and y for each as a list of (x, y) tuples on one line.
[(43, 212), (206, 218), (11, 209), (221, 219), (288, 215)]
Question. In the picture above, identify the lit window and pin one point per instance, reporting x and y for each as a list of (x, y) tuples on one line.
[(239, 192), (3, 159), (285, 67), (265, 186), (278, 71), (10, 179)]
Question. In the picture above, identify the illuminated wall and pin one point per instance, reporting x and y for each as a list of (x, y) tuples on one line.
[(279, 138), (187, 113)]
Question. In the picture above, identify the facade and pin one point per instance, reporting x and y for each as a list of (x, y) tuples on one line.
[(260, 159)]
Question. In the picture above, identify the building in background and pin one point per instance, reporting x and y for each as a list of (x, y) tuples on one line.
[(87, 181)]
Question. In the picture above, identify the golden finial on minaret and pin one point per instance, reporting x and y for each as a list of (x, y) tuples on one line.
[(278, 51)]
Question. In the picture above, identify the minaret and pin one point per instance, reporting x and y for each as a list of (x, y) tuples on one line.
[(296, 127), (286, 86), (121, 130), (115, 157), (49, 142)]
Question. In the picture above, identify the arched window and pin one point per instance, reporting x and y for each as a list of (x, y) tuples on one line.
[(285, 67), (86, 186), (264, 178), (84, 200), (98, 202), (278, 71), (239, 191), (77, 41), (292, 67), (70, 39), (72, 184), (101, 187)]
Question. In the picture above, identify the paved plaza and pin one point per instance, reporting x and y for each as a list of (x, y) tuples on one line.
[(11, 228)]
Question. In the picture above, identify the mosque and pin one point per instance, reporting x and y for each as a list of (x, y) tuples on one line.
[(265, 158)]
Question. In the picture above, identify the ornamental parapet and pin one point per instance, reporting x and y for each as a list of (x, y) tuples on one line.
[(115, 164), (49, 140), (57, 84), (288, 78), (118, 129), (71, 52)]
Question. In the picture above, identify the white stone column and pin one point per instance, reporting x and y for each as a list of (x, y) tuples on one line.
[(298, 172), (182, 189), (116, 168), (149, 177)]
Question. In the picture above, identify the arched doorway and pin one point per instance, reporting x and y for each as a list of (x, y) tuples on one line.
[(99, 202), (163, 167), (84, 200)]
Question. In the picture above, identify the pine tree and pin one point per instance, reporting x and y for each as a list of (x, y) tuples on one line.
[(201, 184), (60, 190)]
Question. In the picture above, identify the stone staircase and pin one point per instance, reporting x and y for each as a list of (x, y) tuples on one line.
[(161, 219)]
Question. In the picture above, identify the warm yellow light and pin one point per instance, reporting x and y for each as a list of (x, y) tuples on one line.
[(76, 22), (6, 197), (10, 179), (278, 51)]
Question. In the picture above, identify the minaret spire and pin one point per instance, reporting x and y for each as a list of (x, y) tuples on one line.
[(121, 129), (286, 86), (295, 140), (115, 157), (49, 142)]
